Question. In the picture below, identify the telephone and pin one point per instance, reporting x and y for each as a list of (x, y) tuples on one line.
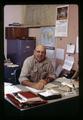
[(74, 74)]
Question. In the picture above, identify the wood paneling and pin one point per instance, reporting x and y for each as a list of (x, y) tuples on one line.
[(40, 15), (16, 32)]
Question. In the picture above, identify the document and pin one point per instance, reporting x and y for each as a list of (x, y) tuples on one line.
[(58, 70), (77, 45), (60, 53), (13, 65), (47, 86), (61, 28), (68, 63), (70, 48), (62, 21), (7, 84), (50, 86), (11, 89), (49, 93), (33, 89)]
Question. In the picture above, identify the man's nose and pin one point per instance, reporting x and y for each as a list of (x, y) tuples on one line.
[(40, 53)]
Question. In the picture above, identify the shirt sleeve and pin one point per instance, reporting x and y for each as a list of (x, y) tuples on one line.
[(25, 71), (51, 73)]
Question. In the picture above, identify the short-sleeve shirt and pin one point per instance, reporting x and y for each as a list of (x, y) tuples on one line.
[(34, 71)]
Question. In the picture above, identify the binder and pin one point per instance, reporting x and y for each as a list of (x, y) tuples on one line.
[(25, 99)]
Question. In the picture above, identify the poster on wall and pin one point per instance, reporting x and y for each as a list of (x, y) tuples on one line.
[(62, 21), (48, 36), (48, 40)]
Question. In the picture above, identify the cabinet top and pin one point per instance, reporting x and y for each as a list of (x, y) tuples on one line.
[(16, 27)]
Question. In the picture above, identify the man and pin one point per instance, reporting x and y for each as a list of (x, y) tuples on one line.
[(37, 69)]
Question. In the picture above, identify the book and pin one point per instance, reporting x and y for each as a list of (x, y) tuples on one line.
[(50, 94), (25, 99)]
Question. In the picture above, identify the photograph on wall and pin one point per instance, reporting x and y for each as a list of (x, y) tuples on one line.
[(62, 21), (62, 13)]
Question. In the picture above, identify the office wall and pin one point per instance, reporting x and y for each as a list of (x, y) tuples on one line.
[(12, 14), (73, 31), (40, 15), (17, 13), (61, 42)]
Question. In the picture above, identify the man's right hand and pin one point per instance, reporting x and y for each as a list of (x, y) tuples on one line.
[(39, 85)]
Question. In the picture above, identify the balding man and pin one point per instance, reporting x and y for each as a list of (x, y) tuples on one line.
[(37, 69)]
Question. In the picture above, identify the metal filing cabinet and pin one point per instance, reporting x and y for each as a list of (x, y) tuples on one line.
[(19, 49)]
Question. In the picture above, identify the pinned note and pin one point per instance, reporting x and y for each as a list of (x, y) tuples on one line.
[(70, 48), (68, 63)]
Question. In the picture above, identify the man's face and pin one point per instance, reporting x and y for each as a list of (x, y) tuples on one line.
[(40, 53)]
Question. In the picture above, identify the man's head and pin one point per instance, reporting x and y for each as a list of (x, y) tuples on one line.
[(40, 53)]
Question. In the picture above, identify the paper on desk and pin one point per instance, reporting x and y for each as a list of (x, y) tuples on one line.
[(68, 63), (49, 92), (68, 84), (11, 89), (7, 83), (12, 65), (33, 89), (47, 86)]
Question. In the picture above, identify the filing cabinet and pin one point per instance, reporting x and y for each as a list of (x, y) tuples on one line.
[(18, 50)]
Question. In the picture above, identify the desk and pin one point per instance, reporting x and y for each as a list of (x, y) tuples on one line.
[(67, 106)]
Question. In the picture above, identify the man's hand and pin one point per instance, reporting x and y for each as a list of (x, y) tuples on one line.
[(39, 85)]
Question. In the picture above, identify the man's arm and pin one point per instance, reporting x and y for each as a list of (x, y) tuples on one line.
[(27, 83), (38, 85), (51, 73), (25, 71)]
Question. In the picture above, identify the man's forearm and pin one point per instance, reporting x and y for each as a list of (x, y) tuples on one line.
[(27, 83)]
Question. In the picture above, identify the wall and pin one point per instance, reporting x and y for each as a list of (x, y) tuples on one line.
[(40, 15), (12, 13), (63, 41), (17, 13), (72, 33)]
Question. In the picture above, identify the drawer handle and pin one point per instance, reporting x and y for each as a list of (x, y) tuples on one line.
[(27, 47)]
